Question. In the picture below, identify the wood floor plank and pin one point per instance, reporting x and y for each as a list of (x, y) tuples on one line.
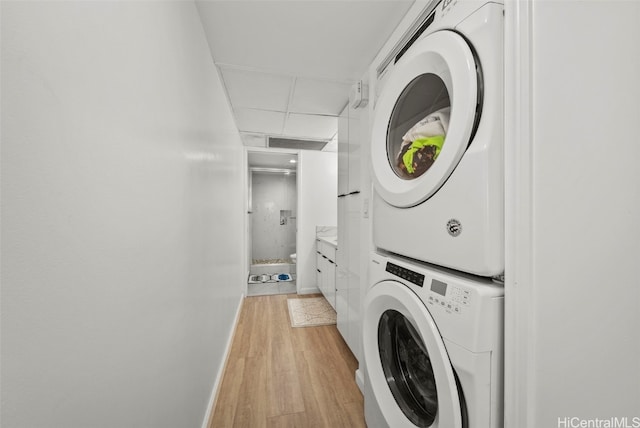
[(227, 403), (281, 343), (339, 380), (280, 376), (285, 394), (260, 328), (353, 413), (251, 410), (328, 411), (315, 413), (292, 420)]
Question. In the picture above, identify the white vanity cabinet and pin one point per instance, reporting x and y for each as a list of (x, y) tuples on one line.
[(326, 269)]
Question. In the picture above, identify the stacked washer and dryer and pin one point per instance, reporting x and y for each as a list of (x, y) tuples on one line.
[(433, 313)]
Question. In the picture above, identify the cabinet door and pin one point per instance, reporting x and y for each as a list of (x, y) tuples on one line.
[(318, 267), (325, 277), (354, 150), (331, 283), (342, 263), (343, 152), (353, 276)]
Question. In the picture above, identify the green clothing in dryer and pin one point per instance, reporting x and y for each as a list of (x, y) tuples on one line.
[(421, 143)]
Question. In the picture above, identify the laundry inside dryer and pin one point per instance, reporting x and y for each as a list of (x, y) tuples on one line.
[(418, 126)]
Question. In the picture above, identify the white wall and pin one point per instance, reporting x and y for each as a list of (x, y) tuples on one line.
[(121, 266), (573, 236), (317, 206)]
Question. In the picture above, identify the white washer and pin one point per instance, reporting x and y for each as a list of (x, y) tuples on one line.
[(433, 347), (449, 212)]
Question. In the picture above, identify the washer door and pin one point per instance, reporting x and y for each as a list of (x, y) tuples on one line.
[(406, 361), (435, 84)]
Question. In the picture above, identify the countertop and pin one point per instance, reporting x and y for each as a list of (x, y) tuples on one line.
[(331, 240)]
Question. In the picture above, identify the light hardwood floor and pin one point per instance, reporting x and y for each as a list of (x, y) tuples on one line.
[(280, 376)]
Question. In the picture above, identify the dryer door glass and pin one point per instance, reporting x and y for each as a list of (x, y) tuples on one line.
[(418, 126), (407, 368)]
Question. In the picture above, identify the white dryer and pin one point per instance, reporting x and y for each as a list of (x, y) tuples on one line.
[(437, 142), (433, 347)]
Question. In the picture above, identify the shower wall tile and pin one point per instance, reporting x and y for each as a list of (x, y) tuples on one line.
[(274, 202)]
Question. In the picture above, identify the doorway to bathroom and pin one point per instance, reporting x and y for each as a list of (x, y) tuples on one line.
[(272, 223)]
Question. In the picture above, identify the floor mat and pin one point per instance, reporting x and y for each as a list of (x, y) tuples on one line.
[(278, 277), (256, 279), (310, 312)]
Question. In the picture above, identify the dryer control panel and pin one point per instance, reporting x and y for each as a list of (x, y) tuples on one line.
[(406, 274)]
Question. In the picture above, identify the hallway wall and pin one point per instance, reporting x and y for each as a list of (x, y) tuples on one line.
[(317, 206), (122, 205)]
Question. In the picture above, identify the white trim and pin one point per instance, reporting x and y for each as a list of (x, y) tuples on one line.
[(308, 290), (246, 205), (519, 228), (360, 380), (273, 170), (213, 399)]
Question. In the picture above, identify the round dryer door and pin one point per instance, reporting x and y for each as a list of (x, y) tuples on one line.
[(425, 118), (406, 361)]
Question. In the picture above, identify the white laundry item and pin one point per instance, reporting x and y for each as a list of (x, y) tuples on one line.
[(436, 123)]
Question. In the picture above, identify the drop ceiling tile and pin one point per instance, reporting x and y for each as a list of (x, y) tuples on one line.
[(319, 97), (263, 121), (253, 140), (294, 36), (257, 90), (311, 126)]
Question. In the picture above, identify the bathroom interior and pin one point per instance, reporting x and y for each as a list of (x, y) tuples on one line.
[(272, 223)]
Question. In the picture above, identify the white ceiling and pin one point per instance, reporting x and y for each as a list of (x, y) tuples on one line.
[(288, 65), (272, 160)]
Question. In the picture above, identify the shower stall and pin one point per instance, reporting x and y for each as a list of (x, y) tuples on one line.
[(272, 221)]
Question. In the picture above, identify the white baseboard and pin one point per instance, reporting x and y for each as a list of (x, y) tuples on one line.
[(214, 392), (312, 290), (360, 380)]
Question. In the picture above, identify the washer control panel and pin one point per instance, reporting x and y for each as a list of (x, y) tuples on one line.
[(449, 297), (406, 274)]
